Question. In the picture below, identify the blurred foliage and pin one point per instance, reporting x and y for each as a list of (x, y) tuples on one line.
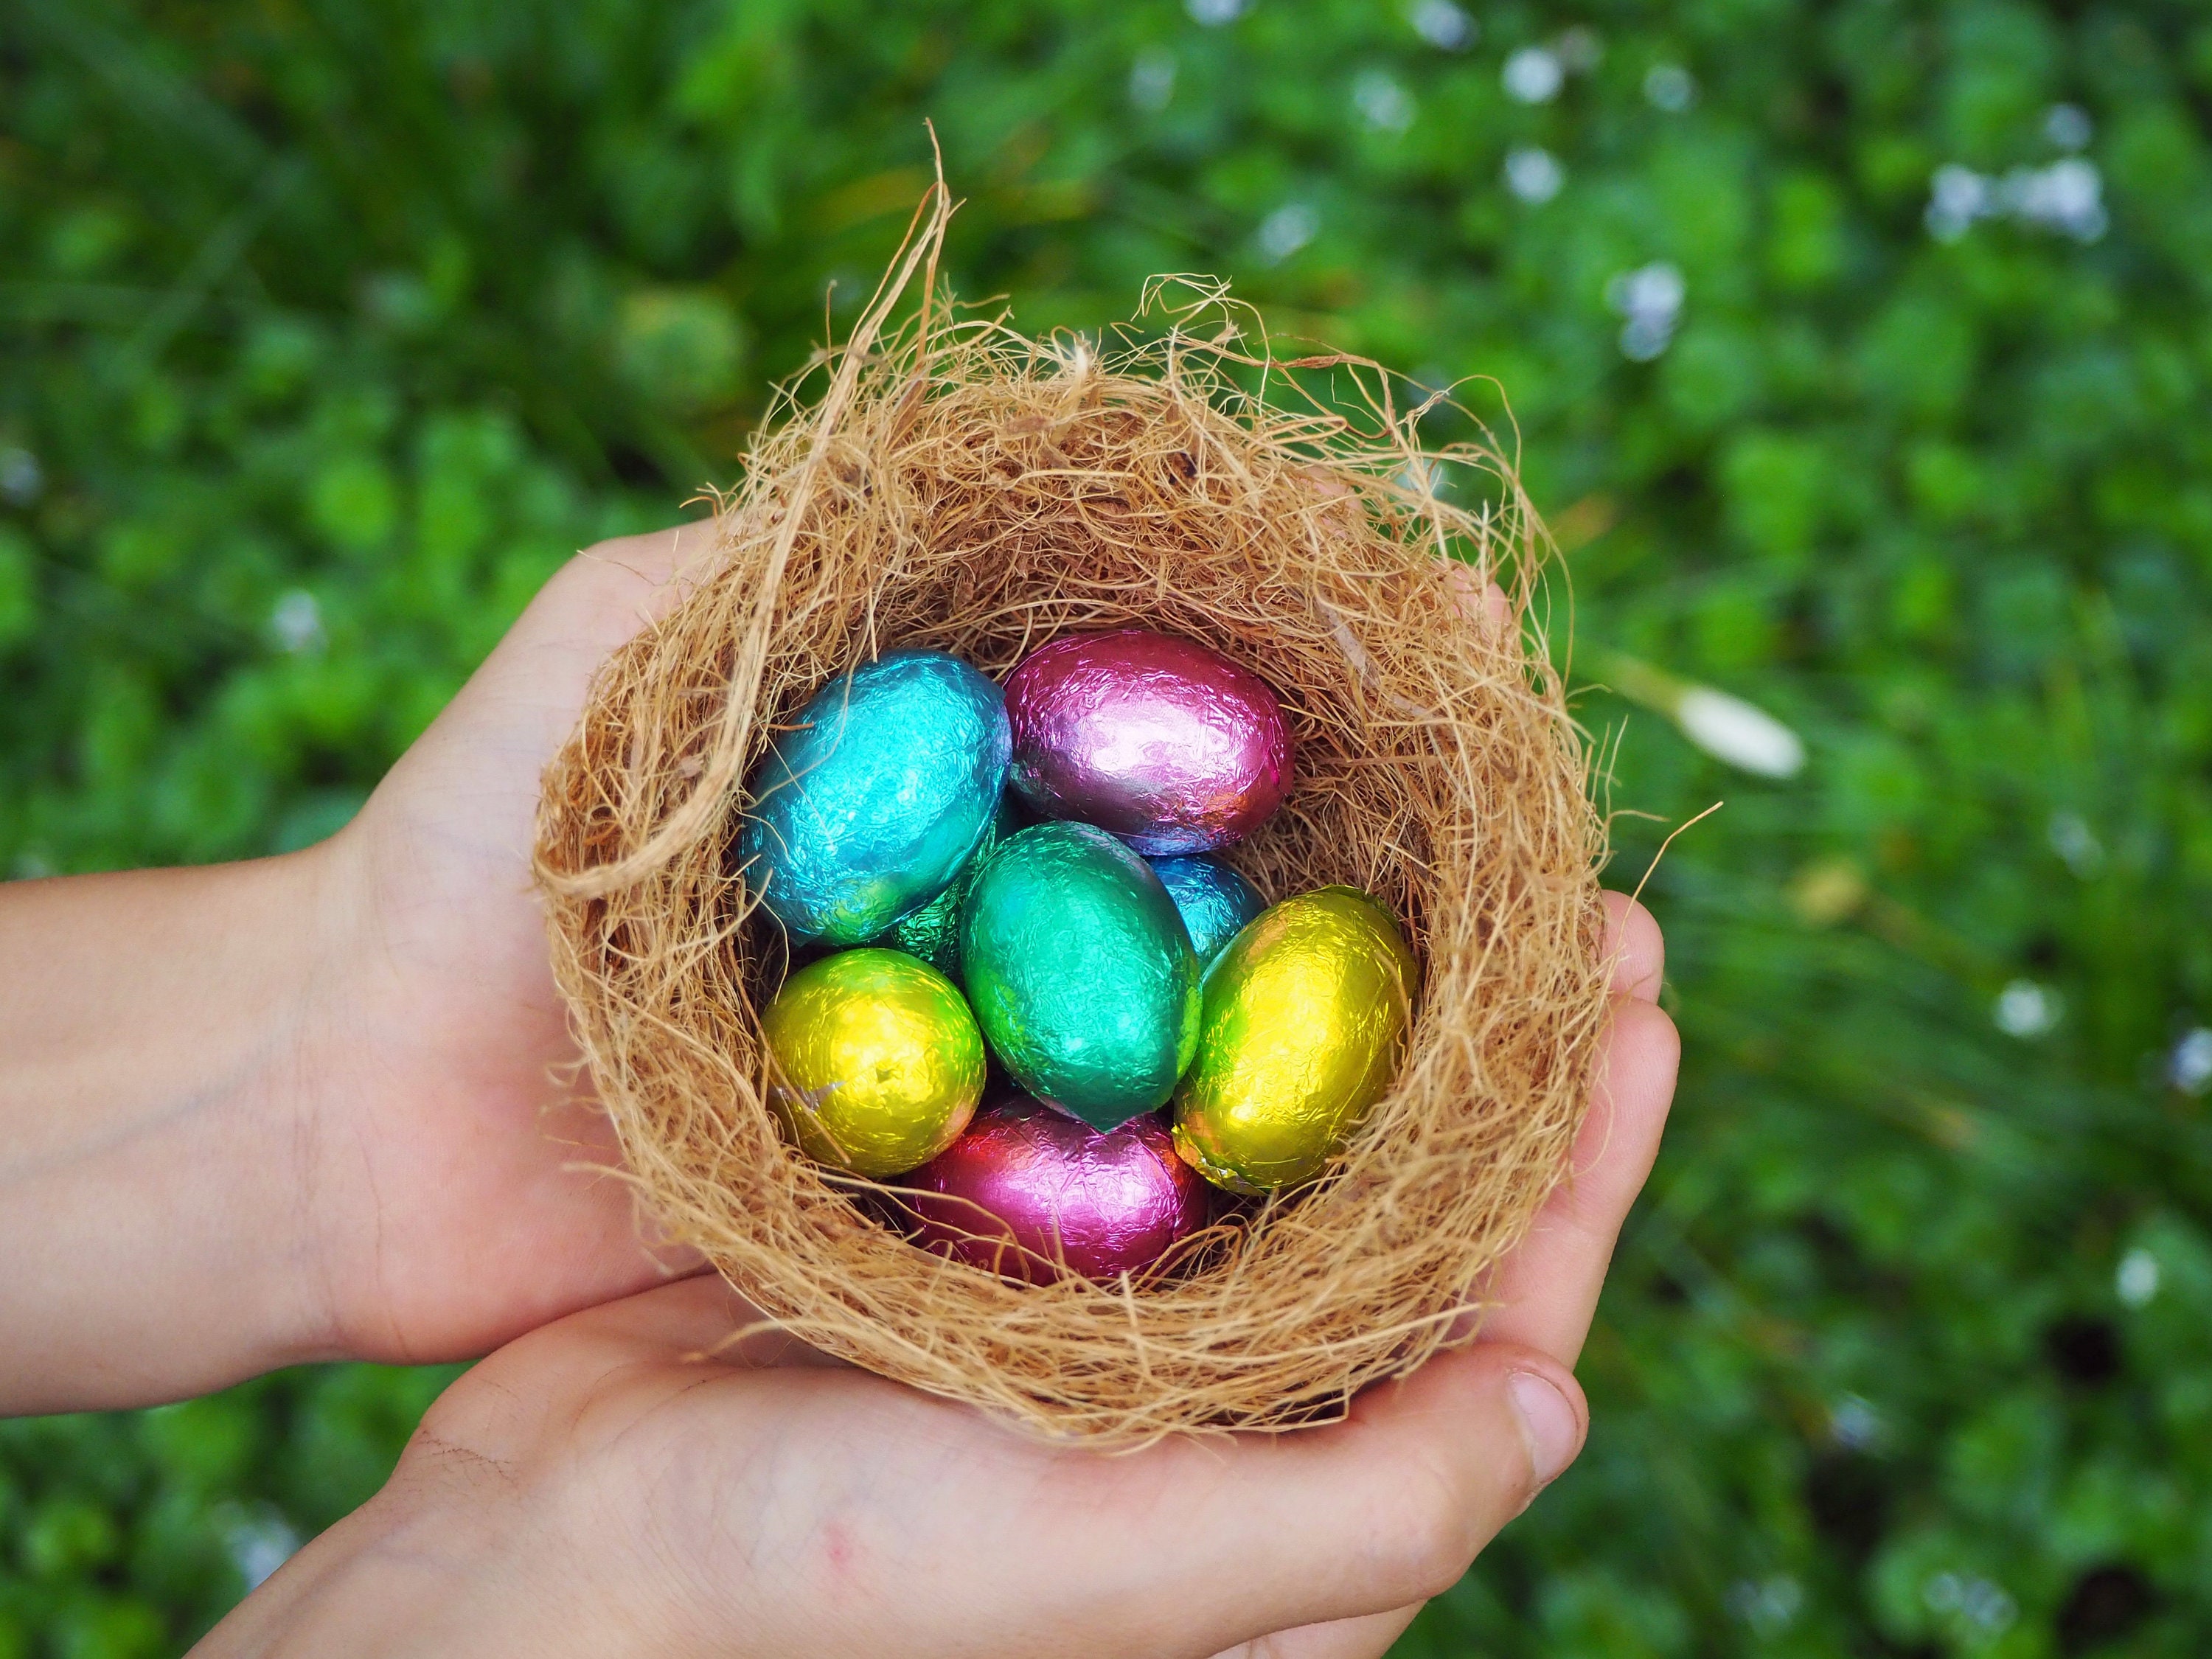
[(1860, 353)]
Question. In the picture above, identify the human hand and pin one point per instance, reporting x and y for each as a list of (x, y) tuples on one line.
[(624, 1481), (305, 1108), (460, 1194)]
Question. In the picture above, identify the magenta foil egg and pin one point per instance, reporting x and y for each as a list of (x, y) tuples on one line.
[(1162, 741), (1024, 1176)]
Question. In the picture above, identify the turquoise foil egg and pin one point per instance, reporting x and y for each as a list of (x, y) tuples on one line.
[(1214, 901), (1080, 972), (884, 789)]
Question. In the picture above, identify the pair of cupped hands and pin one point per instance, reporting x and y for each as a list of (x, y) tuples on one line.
[(297, 1109)]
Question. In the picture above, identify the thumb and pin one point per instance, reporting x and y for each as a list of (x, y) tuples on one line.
[(1390, 1507), (1368, 1637)]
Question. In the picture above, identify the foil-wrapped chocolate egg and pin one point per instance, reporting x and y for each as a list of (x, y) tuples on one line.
[(1080, 972), (1214, 901), (1169, 745), (877, 1063), (1027, 1191), (870, 804), (932, 933), (1306, 1014)]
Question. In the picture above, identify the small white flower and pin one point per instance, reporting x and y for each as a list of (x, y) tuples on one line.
[(1976, 1599), (1654, 290), (1642, 338), (1443, 25), (1287, 230), (1212, 14), (1382, 103), (2189, 1067), (1421, 475), (258, 1540), (1650, 298), (1854, 1423), (1533, 173), (2077, 844), (2068, 126), (21, 478), (1731, 730), (1987, 1606), (1768, 1606), (2068, 197), (2135, 1280), (1153, 78), (1957, 197), (1533, 75), (1669, 87), (2024, 1009), (297, 622)]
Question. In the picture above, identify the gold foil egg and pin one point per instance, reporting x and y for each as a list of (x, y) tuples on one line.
[(878, 1062), (1303, 1024)]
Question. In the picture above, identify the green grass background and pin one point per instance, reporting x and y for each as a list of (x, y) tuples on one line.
[(329, 327)]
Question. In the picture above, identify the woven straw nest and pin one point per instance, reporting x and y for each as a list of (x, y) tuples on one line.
[(951, 483)]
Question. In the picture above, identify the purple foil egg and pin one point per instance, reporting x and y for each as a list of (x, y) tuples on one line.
[(1169, 745), (1024, 1176)]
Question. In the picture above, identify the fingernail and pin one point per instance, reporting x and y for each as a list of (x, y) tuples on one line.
[(1547, 1424)]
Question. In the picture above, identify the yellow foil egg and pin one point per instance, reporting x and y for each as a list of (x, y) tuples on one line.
[(878, 1062), (1305, 1021)]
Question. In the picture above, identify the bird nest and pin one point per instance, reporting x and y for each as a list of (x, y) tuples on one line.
[(944, 481)]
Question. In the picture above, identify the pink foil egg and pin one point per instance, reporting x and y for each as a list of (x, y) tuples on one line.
[(1162, 741), (1026, 1176)]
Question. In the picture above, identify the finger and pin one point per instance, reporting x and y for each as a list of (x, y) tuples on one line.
[(1360, 1521), (1543, 1294), (695, 1326), (1634, 944), (1485, 601), (1330, 1538), (1366, 1637), (1346, 1528), (611, 589), (698, 1319), (524, 700), (591, 604)]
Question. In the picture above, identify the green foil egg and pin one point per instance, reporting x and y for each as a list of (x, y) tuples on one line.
[(1305, 1023), (932, 933), (1080, 972), (878, 1062)]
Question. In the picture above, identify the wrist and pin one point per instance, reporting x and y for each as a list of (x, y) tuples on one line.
[(148, 1053), (371, 1585), (452, 1557)]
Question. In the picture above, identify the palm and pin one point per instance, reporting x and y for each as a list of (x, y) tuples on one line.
[(464, 1184), (829, 1512), (832, 1512)]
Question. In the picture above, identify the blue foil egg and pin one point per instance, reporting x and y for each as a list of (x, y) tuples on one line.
[(872, 803), (1215, 901)]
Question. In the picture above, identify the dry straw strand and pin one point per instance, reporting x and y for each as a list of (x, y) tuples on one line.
[(959, 486)]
